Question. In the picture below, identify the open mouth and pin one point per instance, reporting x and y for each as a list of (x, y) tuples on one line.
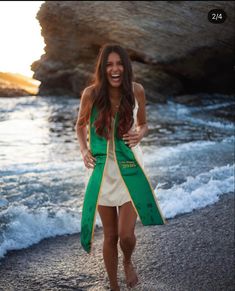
[(115, 77)]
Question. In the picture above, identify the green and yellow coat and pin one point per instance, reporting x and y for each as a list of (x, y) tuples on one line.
[(132, 175)]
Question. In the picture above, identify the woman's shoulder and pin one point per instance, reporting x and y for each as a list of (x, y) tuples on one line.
[(87, 94), (137, 86), (138, 91)]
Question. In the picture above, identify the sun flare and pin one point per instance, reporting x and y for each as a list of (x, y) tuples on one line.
[(21, 40)]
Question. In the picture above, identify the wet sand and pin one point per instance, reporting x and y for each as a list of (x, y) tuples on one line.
[(193, 252)]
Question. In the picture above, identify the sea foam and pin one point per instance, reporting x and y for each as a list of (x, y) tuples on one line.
[(27, 227), (196, 192)]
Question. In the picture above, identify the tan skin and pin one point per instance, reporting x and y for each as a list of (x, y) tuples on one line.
[(115, 225)]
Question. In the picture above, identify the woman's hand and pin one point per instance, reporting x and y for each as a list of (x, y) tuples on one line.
[(88, 159), (132, 138)]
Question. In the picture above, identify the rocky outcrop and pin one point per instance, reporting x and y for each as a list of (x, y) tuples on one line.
[(174, 48)]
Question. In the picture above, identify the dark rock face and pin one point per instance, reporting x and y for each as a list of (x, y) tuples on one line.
[(13, 92), (174, 48)]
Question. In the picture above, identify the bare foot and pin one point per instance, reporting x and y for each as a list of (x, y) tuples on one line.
[(131, 276)]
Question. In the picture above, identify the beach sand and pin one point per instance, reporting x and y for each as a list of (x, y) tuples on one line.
[(193, 251)]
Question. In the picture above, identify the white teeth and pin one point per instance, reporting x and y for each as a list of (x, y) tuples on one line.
[(115, 76)]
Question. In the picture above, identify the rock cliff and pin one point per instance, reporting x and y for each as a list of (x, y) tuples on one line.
[(174, 48)]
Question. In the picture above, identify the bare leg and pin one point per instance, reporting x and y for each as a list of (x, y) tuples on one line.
[(126, 224), (109, 218)]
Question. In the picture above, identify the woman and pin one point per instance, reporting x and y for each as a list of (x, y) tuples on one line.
[(113, 107)]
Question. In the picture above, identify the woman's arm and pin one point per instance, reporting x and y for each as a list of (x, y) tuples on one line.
[(132, 138), (81, 127), (142, 126)]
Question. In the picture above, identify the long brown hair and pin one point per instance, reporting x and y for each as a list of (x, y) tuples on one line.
[(101, 99)]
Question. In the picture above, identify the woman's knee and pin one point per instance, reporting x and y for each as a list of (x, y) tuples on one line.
[(127, 239), (111, 239)]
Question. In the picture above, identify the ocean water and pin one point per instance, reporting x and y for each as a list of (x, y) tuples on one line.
[(188, 155)]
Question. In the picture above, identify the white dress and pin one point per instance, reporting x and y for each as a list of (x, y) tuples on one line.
[(114, 192)]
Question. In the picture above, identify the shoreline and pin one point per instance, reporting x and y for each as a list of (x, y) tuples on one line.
[(193, 251)]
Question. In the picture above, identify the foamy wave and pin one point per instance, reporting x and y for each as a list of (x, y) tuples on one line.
[(152, 153), (216, 106), (227, 125), (196, 192), (3, 202), (24, 168), (26, 227), (185, 112)]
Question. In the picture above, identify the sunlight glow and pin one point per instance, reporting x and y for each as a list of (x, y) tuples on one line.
[(20, 33)]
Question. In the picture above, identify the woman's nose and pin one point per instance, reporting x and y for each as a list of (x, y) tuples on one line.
[(115, 67)]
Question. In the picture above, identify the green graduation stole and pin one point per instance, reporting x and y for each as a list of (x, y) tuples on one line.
[(132, 175)]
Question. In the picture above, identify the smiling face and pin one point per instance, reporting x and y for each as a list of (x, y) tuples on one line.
[(114, 70)]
